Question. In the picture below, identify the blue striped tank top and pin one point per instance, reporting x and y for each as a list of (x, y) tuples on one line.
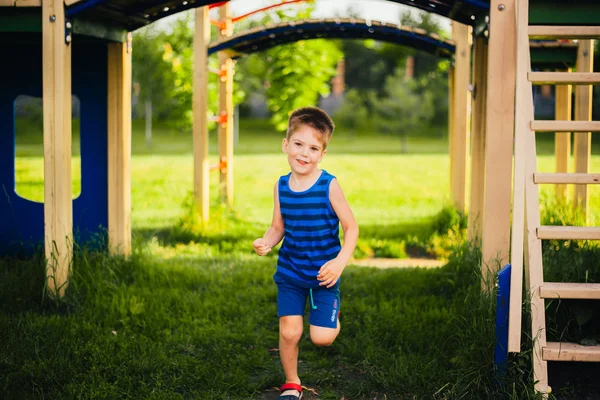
[(311, 231)]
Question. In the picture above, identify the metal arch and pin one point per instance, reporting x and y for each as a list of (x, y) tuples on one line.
[(135, 14), (274, 35)]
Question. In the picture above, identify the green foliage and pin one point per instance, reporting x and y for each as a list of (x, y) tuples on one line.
[(353, 113), (152, 73), (405, 108), (449, 219), (298, 73)]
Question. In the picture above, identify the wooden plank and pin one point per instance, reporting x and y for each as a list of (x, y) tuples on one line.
[(565, 78), (226, 106), (58, 203), (523, 114), (461, 108), (500, 112), (7, 3), (28, 3), (119, 148), (565, 126), (534, 273), (200, 110), (562, 140), (569, 232), (564, 32), (583, 112), (478, 141), (556, 351), (566, 178), (563, 290)]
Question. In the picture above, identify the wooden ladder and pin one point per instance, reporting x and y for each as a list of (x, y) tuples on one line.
[(526, 208)]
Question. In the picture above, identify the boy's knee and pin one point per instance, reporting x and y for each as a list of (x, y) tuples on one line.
[(323, 339), (290, 331), (323, 342)]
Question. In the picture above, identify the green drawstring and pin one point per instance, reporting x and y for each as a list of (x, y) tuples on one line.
[(312, 303)]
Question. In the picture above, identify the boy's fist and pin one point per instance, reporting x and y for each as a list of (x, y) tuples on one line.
[(261, 247)]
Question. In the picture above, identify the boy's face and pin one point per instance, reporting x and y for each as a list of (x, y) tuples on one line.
[(305, 150)]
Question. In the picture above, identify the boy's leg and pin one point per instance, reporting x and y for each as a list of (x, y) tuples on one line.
[(291, 301), (324, 336), (290, 332), (324, 319)]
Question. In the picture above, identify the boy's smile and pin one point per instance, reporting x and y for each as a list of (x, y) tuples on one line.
[(305, 151)]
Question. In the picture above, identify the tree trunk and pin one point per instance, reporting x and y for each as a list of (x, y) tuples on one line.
[(148, 115)]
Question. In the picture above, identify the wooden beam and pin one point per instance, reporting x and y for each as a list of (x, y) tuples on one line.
[(119, 147), (28, 3), (563, 32), (523, 114), (226, 107), (583, 112), (555, 351), (478, 141), (565, 178), (461, 109), (58, 203), (562, 140), (565, 126), (568, 232), (200, 111), (500, 111), (568, 290), (565, 78)]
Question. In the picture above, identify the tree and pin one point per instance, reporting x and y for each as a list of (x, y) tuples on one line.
[(152, 74), (405, 108), (291, 75)]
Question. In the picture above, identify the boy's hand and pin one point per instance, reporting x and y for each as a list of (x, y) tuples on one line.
[(330, 272), (261, 247)]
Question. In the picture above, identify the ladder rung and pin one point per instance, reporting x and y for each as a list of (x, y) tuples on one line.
[(556, 351), (564, 78), (564, 32), (565, 290), (565, 126), (564, 178), (569, 232)]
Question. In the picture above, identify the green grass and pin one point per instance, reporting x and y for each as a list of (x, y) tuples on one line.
[(192, 314)]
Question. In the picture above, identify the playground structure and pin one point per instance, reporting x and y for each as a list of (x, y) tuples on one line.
[(85, 49)]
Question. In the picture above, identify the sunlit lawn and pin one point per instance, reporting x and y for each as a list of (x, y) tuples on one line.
[(192, 314)]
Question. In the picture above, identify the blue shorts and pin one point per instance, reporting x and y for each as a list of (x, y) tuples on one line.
[(324, 303)]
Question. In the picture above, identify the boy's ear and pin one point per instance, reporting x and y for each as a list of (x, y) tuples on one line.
[(284, 145), (323, 155)]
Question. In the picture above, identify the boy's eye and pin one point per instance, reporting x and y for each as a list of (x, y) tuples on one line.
[(298, 144), (314, 149)]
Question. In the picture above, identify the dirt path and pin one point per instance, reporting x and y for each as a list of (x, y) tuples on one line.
[(398, 263)]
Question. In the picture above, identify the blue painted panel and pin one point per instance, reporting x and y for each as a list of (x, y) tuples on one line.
[(22, 220), (90, 77), (502, 309)]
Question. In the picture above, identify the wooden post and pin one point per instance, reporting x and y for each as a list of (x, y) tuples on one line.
[(226, 107), (478, 141), (583, 112), (119, 147), (562, 140), (500, 112), (460, 108), (451, 126), (200, 110), (58, 202)]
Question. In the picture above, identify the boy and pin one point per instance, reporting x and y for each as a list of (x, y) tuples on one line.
[(309, 206)]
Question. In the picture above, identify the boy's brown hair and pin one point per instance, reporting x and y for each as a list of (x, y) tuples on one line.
[(314, 117)]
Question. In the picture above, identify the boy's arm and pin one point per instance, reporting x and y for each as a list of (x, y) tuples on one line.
[(274, 234), (331, 271)]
